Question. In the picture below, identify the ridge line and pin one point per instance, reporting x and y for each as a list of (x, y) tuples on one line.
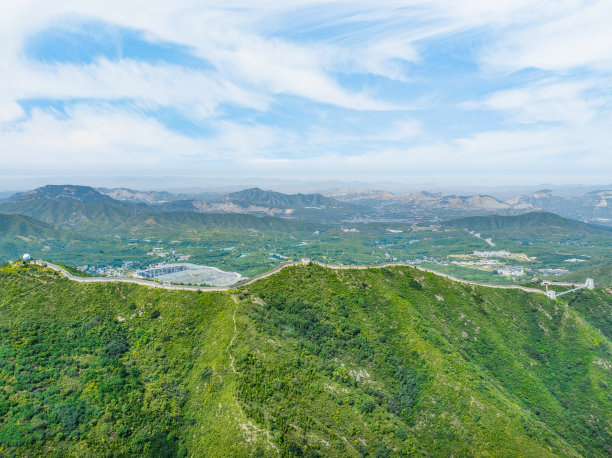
[(269, 273)]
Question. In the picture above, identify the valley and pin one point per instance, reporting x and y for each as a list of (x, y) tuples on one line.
[(84, 228)]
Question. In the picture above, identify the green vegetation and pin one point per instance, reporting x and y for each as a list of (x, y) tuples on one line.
[(528, 221), (80, 227), (308, 362), (73, 271)]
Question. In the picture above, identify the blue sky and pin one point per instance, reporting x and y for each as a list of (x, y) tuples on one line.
[(506, 92)]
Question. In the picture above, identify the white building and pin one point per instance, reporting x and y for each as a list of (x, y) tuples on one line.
[(511, 271), (492, 254)]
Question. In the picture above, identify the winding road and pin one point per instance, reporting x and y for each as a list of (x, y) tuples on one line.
[(269, 273)]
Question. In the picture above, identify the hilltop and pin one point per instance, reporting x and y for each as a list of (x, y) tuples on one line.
[(309, 361), (83, 194)]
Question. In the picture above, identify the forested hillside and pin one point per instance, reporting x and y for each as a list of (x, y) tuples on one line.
[(528, 222), (308, 362)]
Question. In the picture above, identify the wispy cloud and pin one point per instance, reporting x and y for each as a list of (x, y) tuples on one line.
[(343, 87), (546, 101)]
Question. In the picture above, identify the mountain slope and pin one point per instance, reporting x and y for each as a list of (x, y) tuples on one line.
[(132, 195), (182, 222), (310, 207), (13, 225), (526, 221), (72, 214), (79, 208), (21, 234), (310, 361), (82, 209)]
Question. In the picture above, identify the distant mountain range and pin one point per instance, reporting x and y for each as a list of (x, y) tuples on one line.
[(253, 200), (84, 194), (593, 207), (144, 197), (259, 202), (83, 209), (74, 206)]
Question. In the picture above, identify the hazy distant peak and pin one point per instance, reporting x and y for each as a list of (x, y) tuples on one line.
[(132, 195), (85, 194), (542, 193), (272, 199)]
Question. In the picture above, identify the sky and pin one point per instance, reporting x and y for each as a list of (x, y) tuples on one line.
[(440, 91)]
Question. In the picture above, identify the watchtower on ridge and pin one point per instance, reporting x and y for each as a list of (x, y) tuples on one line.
[(588, 284)]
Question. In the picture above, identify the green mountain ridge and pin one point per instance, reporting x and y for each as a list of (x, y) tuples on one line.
[(97, 218), (308, 362), (69, 213), (527, 221), (19, 234), (15, 224), (256, 196), (83, 194)]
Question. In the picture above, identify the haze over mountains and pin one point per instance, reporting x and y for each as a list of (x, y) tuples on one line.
[(83, 209), (595, 206)]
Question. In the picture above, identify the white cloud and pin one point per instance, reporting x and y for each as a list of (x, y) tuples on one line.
[(280, 67), (96, 140), (252, 66), (192, 91), (572, 34), (505, 155), (546, 102), (256, 61), (89, 137), (10, 111)]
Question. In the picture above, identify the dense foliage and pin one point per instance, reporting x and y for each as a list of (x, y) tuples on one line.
[(308, 362)]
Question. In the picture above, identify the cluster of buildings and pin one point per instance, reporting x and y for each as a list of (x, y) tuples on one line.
[(168, 255), (511, 271), (108, 271), (547, 272), (492, 254), (430, 260)]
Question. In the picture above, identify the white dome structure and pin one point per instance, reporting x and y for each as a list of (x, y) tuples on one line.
[(26, 257)]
